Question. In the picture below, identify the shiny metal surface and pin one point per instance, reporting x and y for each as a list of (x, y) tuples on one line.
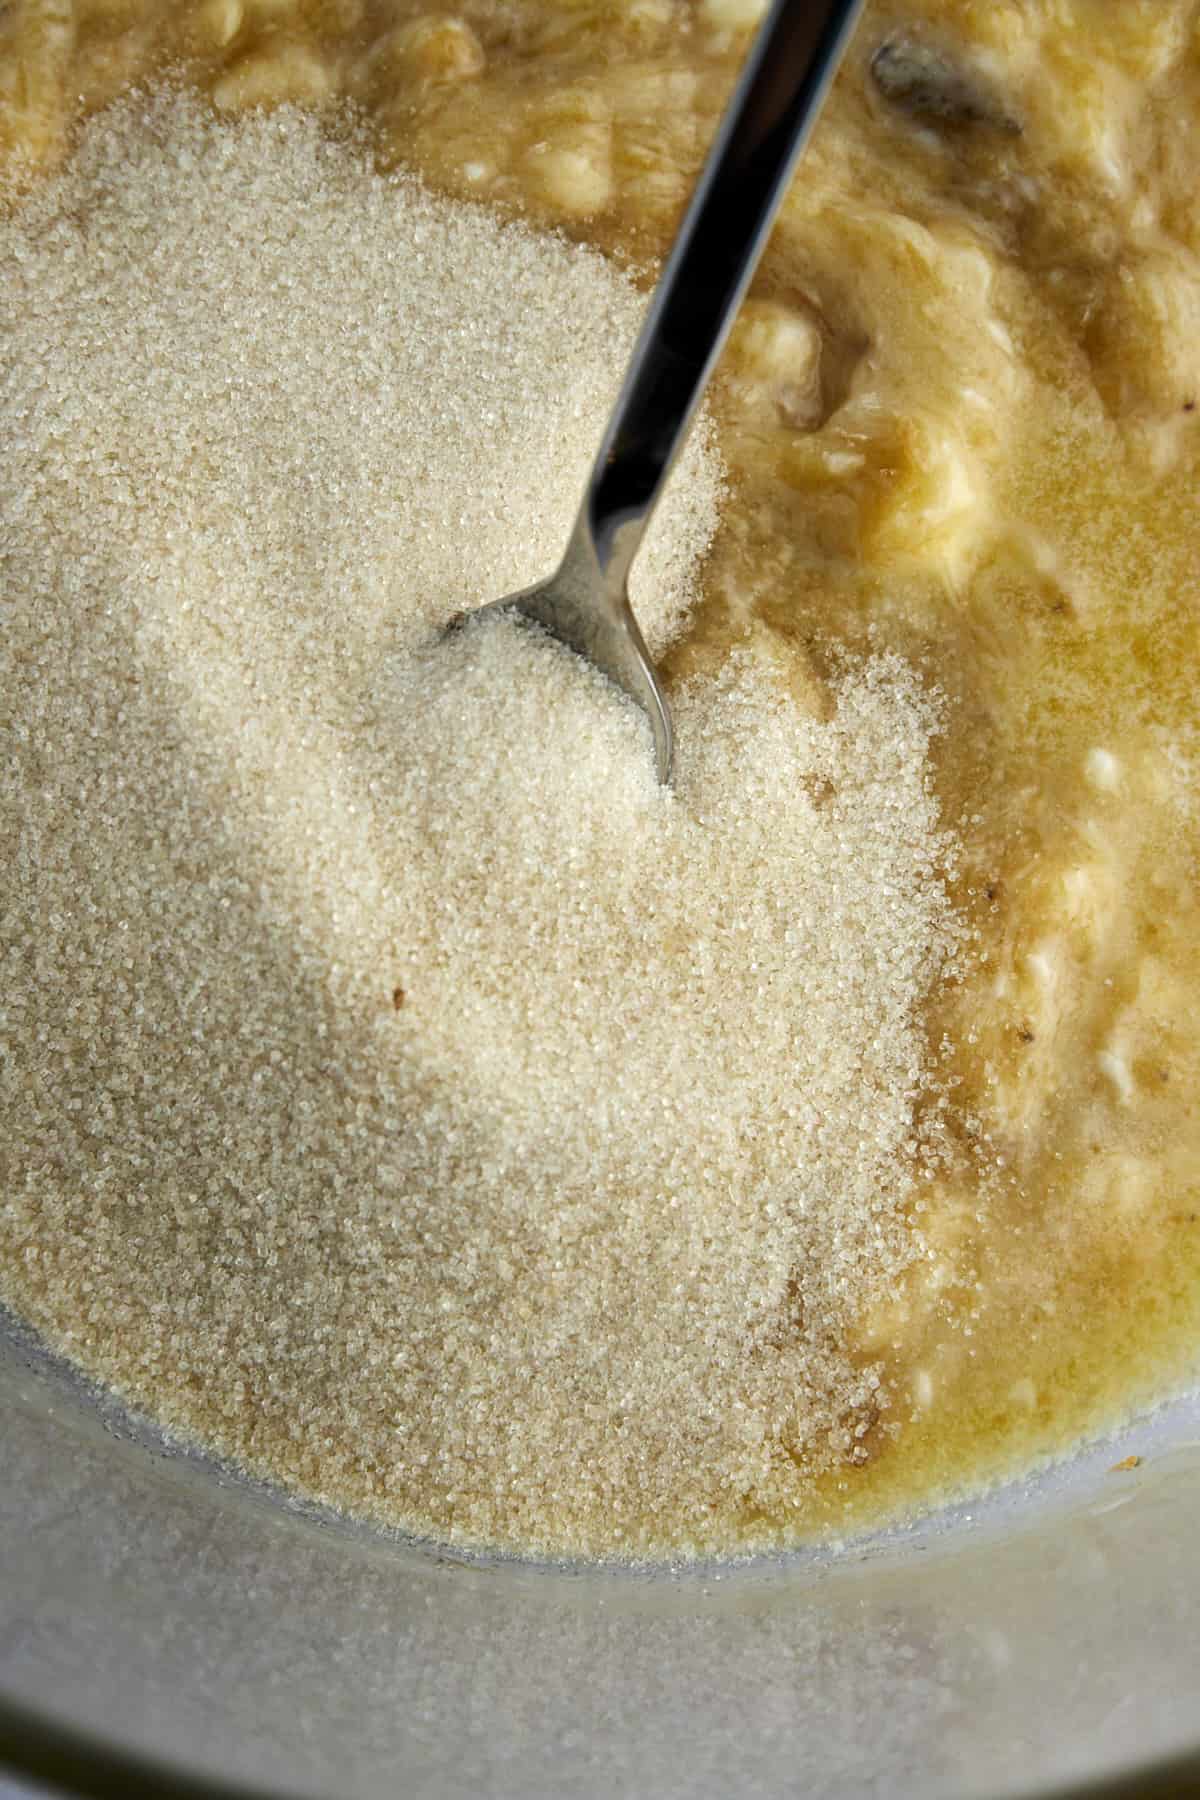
[(766, 125)]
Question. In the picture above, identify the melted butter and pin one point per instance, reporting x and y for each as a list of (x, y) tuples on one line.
[(1064, 1291)]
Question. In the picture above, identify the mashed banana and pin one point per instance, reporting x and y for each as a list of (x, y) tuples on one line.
[(960, 417)]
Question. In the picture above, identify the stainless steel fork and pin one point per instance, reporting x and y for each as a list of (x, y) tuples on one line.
[(765, 127)]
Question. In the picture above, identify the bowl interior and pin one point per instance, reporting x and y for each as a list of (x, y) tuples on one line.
[(153, 1608)]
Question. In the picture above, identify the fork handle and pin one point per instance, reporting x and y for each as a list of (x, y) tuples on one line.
[(724, 230)]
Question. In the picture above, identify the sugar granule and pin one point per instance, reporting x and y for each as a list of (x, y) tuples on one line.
[(404, 1095)]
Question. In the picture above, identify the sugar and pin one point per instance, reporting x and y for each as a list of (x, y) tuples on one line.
[(404, 1095)]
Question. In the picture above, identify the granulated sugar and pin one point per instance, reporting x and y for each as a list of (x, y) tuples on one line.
[(404, 1095)]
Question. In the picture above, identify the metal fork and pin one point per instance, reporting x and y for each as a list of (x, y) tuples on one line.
[(765, 127)]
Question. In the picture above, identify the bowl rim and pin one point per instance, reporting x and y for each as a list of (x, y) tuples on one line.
[(88, 1767)]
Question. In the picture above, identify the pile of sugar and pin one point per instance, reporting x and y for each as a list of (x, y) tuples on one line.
[(404, 1095)]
